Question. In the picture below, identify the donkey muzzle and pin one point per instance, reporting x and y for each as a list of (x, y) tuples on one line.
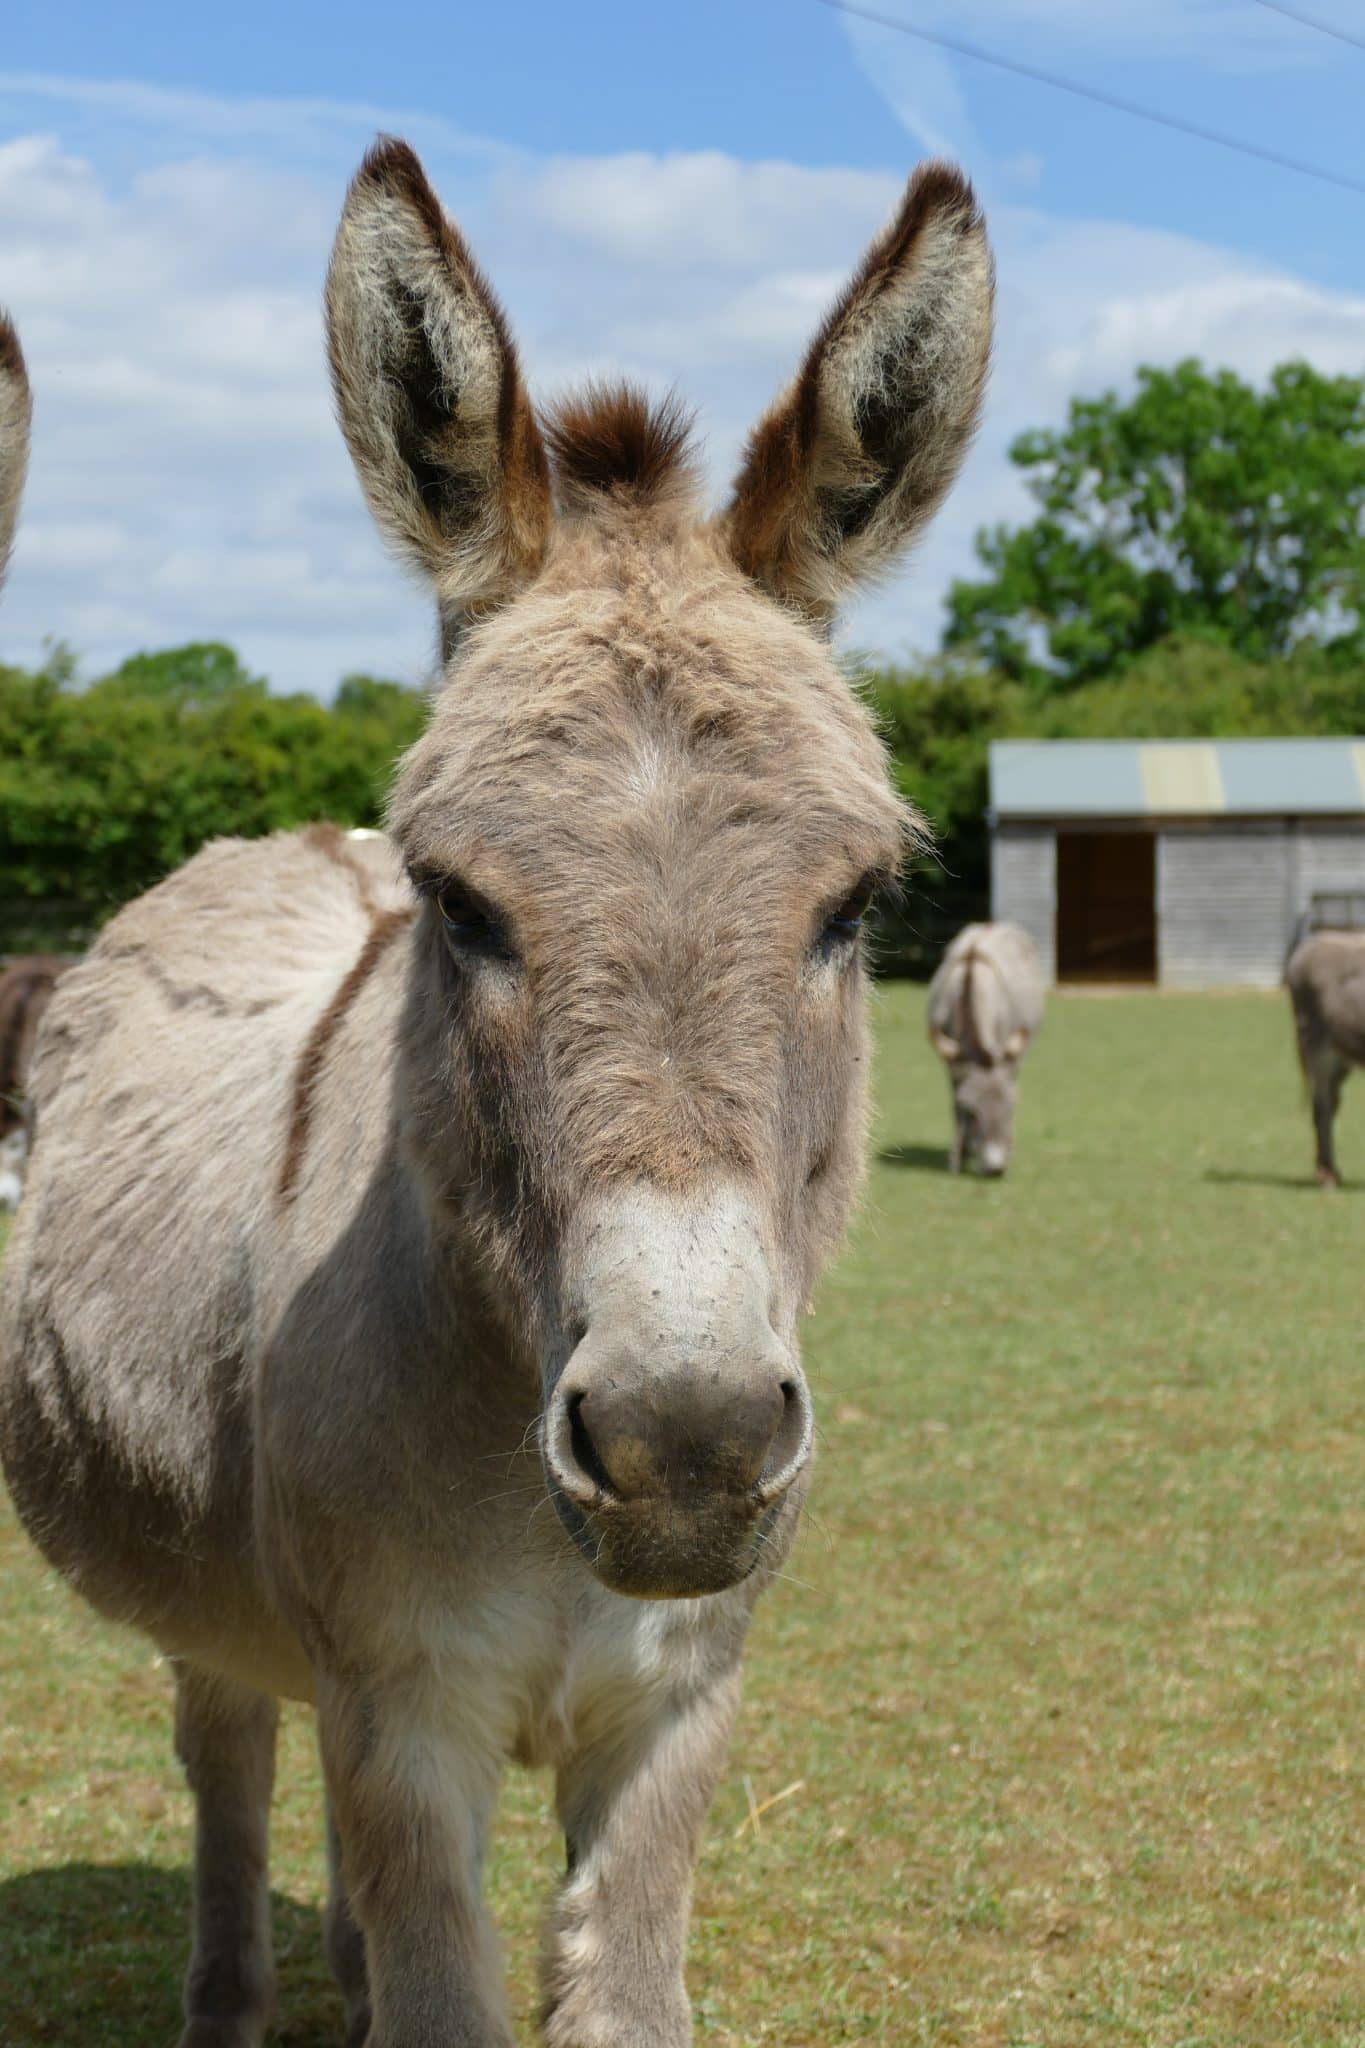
[(682, 1419)]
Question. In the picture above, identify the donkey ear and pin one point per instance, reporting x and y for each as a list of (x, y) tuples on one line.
[(860, 449), (429, 390), (16, 409)]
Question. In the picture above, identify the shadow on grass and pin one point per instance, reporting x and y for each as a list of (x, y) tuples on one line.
[(924, 1158), (95, 1953), (1232, 1177)]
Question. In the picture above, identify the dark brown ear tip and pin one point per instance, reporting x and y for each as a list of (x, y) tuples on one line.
[(392, 169), (937, 186), (11, 355), (394, 165)]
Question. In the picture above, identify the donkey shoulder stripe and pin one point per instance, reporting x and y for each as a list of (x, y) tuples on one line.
[(312, 1059), (334, 844)]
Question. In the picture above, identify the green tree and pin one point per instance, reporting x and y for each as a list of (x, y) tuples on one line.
[(362, 696), (939, 720), (103, 790), (1199, 506), (202, 672), (936, 722)]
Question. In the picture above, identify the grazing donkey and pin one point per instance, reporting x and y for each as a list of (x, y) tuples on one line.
[(1325, 975), (402, 1314), (16, 408), (985, 1005)]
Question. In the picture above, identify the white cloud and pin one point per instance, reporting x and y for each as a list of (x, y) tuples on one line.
[(919, 84), (187, 477), (1082, 305), (291, 125), (703, 209), (923, 82)]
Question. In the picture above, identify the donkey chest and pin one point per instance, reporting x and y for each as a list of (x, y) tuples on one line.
[(541, 1665)]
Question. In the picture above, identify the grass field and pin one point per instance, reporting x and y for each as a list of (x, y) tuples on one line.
[(1071, 1671)]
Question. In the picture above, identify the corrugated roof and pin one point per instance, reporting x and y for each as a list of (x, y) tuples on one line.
[(1176, 778)]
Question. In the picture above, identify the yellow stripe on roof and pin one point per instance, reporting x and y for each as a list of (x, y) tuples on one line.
[(1182, 778)]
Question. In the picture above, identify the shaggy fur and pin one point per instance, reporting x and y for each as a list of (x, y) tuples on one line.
[(418, 1226), (1325, 976), (430, 393), (985, 1007), (16, 407)]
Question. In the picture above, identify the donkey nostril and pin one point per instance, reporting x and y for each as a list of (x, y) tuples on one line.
[(790, 1445), (582, 1446)]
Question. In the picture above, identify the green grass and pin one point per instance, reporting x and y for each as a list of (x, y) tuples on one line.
[(1070, 1665)]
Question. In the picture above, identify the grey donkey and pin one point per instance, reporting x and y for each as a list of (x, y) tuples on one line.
[(1325, 975), (15, 416), (985, 1007), (402, 1314), (16, 409)]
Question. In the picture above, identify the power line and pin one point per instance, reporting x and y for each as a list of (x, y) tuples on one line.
[(1102, 99), (1324, 28)]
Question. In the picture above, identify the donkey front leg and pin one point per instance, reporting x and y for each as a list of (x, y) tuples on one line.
[(345, 1942), (225, 1737), (632, 1812), (411, 1794)]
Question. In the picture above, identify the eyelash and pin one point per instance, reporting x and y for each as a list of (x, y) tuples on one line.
[(843, 923), (470, 924)]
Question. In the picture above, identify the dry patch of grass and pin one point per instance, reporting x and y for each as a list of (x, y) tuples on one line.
[(1070, 1662)]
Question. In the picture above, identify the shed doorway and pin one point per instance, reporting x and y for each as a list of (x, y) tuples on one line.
[(1106, 906)]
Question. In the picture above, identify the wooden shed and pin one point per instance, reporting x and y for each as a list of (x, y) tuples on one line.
[(1186, 863)]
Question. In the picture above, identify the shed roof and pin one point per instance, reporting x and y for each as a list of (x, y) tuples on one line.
[(1176, 778)]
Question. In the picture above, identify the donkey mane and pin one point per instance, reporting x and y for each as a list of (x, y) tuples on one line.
[(613, 441), (968, 1033)]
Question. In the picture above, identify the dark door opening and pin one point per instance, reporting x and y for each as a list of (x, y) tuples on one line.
[(1106, 906)]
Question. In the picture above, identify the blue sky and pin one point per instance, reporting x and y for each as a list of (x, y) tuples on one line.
[(671, 192)]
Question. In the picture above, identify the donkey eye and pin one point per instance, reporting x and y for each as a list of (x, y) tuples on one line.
[(845, 921), (471, 924)]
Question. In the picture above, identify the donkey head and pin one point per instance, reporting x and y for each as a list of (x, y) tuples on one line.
[(985, 1092), (646, 820), (15, 410)]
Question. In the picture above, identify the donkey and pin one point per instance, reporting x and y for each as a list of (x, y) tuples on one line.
[(1325, 976), (26, 987), (437, 1362), (16, 408), (15, 1028), (985, 1007)]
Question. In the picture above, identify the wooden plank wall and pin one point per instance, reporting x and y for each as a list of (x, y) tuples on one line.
[(1228, 892), (1330, 857), (1225, 905), (1024, 885)]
